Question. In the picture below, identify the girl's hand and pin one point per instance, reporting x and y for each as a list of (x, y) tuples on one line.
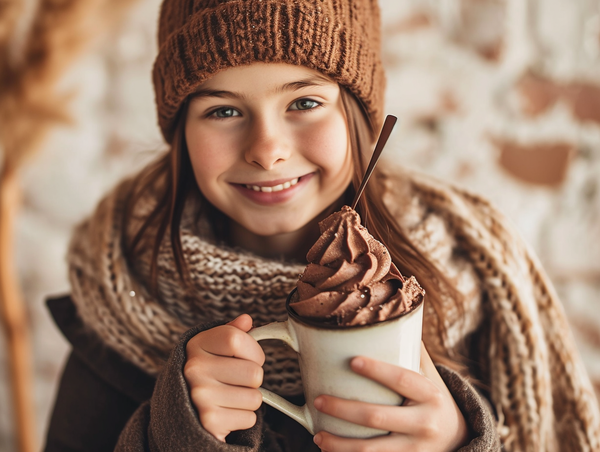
[(429, 419), (223, 371)]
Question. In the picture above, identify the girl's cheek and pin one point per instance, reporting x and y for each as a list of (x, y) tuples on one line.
[(211, 152), (326, 143)]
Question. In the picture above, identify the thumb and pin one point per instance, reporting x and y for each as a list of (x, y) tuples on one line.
[(429, 370), (242, 322)]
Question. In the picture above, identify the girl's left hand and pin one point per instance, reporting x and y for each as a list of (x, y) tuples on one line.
[(429, 419)]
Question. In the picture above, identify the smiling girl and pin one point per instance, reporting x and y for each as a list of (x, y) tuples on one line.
[(269, 147), (271, 108)]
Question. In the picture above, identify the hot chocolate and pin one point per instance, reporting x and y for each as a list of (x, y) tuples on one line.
[(351, 279)]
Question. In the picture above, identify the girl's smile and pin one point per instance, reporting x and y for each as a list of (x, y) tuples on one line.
[(273, 192), (269, 148)]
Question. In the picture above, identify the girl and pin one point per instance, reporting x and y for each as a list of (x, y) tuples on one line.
[(271, 108)]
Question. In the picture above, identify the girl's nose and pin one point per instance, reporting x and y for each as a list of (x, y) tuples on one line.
[(266, 145)]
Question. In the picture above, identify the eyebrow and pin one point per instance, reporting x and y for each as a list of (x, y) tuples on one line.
[(291, 86)]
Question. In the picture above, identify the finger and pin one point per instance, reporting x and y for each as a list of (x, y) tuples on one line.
[(228, 340), (242, 322), (237, 372), (229, 371), (429, 370), (222, 421), (382, 417), (403, 381), (225, 396), (389, 443)]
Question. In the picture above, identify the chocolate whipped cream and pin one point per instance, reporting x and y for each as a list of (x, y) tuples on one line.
[(351, 279)]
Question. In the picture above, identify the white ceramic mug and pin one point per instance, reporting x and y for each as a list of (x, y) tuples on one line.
[(324, 354)]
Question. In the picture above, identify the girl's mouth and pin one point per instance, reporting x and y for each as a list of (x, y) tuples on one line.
[(273, 192), (271, 189)]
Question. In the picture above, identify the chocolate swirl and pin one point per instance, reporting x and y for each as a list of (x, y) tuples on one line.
[(351, 279)]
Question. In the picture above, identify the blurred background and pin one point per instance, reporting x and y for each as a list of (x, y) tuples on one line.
[(499, 96)]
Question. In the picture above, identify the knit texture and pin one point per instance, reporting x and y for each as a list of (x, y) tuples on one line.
[(115, 301), (198, 38), (538, 385), (525, 354)]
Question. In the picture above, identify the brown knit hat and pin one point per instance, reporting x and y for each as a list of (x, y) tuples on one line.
[(198, 38)]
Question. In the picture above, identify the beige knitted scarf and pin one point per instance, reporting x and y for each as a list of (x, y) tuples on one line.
[(526, 356)]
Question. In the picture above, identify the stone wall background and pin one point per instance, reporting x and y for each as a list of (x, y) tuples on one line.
[(499, 96)]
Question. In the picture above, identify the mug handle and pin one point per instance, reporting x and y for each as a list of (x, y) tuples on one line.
[(281, 331)]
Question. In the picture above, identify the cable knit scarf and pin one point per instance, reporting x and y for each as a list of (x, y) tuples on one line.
[(526, 357)]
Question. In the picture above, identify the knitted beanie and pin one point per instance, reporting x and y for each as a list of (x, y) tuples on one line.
[(198, 38)]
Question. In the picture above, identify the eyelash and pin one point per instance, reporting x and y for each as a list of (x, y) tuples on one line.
[(213, 113), (318, 104)]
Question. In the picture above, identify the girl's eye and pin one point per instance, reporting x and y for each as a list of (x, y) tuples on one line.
[(225, 113), (304, 104)]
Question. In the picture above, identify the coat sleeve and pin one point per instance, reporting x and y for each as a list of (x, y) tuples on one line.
[(477, 412), (157, 425), (105, 402)]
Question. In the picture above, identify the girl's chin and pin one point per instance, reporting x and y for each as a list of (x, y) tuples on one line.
[(302, 220), (266, 231), (273, 226)]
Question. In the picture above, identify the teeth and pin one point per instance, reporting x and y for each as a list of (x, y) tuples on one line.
[(279, 187)]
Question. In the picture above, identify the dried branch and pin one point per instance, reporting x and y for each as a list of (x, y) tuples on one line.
[(10, 11), (30, 103)]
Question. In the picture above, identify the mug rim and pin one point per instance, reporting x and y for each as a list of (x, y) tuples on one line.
[(327, 326)]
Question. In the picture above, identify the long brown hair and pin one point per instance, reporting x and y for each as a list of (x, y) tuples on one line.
[(172, 180)]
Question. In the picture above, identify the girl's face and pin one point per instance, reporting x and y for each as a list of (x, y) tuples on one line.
[(269, 145)]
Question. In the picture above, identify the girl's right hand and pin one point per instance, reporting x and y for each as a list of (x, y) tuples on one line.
[(223, 372)]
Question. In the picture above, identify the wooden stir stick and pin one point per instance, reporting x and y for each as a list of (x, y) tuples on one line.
[(386, 130)]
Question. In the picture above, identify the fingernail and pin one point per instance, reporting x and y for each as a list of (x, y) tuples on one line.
[(318, 439), (318, 403), (357, 363)]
